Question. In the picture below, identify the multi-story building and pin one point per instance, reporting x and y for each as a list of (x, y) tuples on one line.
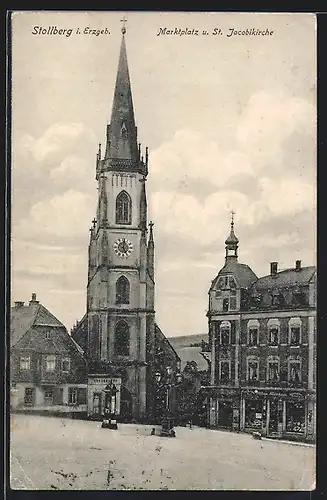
[(47, 367), (262, 335), (118, 329)]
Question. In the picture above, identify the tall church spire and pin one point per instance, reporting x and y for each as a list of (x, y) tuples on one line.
[(122, 132)]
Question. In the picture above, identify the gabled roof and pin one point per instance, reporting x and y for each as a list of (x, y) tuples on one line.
[(26, 318), (285, 278), (242, 273), (21, 320)]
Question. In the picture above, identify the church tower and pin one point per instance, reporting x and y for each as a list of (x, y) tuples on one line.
[(120, 291)]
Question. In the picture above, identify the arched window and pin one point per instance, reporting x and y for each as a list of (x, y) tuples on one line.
[(121, 345), (253, 332), (225, 333), (123, 208), (273, 331), (294, 331), (122, 290)]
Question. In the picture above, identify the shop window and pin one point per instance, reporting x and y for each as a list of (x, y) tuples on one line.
[(253, 370), (295, 417), (29, 396), (295, 371), (25, 363), (253, 413), (66, 365), (50, 363), (72, 395), (224, 371), (273, 371), (48, 396), (81, 395)]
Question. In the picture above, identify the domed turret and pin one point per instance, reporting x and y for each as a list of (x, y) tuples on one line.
[(231, 242)]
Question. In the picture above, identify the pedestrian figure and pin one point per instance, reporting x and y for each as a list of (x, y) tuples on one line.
[(190, 423), (153, 431)]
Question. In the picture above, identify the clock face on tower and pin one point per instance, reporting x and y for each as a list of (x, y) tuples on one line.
[(123, 247)]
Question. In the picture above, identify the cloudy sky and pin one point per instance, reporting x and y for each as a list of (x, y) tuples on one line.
[(230, 123)]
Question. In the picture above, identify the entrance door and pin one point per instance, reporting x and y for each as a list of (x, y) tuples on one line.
[(126, 412), (225, 414), (29, 396), (273, 416)]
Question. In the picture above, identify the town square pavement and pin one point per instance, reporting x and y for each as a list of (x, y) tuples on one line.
[(60, 454)]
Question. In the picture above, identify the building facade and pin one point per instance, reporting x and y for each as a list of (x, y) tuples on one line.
[(118, 329), (47, 367), (262, 336)]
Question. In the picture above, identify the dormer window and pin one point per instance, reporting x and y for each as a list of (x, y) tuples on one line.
[(225, 304), (299, 297), (255, 300)]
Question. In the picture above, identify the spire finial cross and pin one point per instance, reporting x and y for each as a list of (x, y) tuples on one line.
[(151, 224), (124, 20), (232, 214)]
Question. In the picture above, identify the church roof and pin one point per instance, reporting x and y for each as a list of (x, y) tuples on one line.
[(285, 278), (122, 139)]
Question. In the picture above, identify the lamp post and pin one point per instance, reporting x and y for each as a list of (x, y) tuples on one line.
[(165, 383), (109, 420)]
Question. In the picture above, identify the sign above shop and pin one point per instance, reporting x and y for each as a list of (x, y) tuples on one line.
[(103, 381)]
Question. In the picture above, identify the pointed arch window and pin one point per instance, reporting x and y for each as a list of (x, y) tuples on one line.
[(122, 290), (121, 345), (123, 208)]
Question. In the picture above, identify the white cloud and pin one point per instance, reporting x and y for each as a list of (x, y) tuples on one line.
[(59, 138), (268, 119), (65, 215)]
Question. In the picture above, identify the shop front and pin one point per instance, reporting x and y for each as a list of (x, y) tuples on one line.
[(224, 408), (103, 395), (274, 413)]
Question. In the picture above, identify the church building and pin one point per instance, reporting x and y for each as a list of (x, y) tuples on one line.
[(118, 329)]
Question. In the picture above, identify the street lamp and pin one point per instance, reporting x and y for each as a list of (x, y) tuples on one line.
[(165, 383), (109, 419)]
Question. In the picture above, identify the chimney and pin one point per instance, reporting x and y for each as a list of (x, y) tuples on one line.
[(297, 265), (273, 268), (18, 304), (33, 301)]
